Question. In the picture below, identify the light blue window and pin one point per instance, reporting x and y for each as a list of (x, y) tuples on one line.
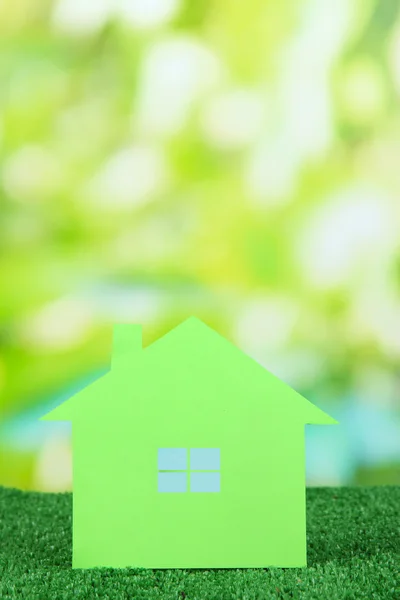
[(172, 482), (172, 459), (202, 470), (204, 459), (204, 482)]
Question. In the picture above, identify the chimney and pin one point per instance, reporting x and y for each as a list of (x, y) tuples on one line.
[(127, 341)]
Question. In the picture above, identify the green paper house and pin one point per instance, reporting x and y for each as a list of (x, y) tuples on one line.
[(187, 454)]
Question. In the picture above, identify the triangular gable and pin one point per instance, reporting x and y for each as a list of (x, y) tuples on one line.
[(194, 338)]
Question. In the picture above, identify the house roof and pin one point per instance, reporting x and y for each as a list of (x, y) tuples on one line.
[(191, 342)]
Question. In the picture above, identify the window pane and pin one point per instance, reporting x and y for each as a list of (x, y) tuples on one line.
[(172, 459), (204, 459), (172, 482), (204, 482)]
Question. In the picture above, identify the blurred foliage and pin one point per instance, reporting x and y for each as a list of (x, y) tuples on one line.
[(234, 160)]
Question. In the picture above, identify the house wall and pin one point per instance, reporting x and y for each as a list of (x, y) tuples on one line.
[(256, 520)]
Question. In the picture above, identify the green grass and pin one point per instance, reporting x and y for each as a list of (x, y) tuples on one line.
[(353, 552)]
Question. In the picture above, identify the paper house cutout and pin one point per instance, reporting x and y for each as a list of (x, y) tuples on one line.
[(187, 454)]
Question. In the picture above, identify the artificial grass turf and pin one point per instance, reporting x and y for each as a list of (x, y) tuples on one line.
[(353, 552)]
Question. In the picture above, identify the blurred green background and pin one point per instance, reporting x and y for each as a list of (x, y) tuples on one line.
[(239, 161)]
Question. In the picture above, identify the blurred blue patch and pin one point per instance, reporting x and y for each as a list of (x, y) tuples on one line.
[(24, 431)]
